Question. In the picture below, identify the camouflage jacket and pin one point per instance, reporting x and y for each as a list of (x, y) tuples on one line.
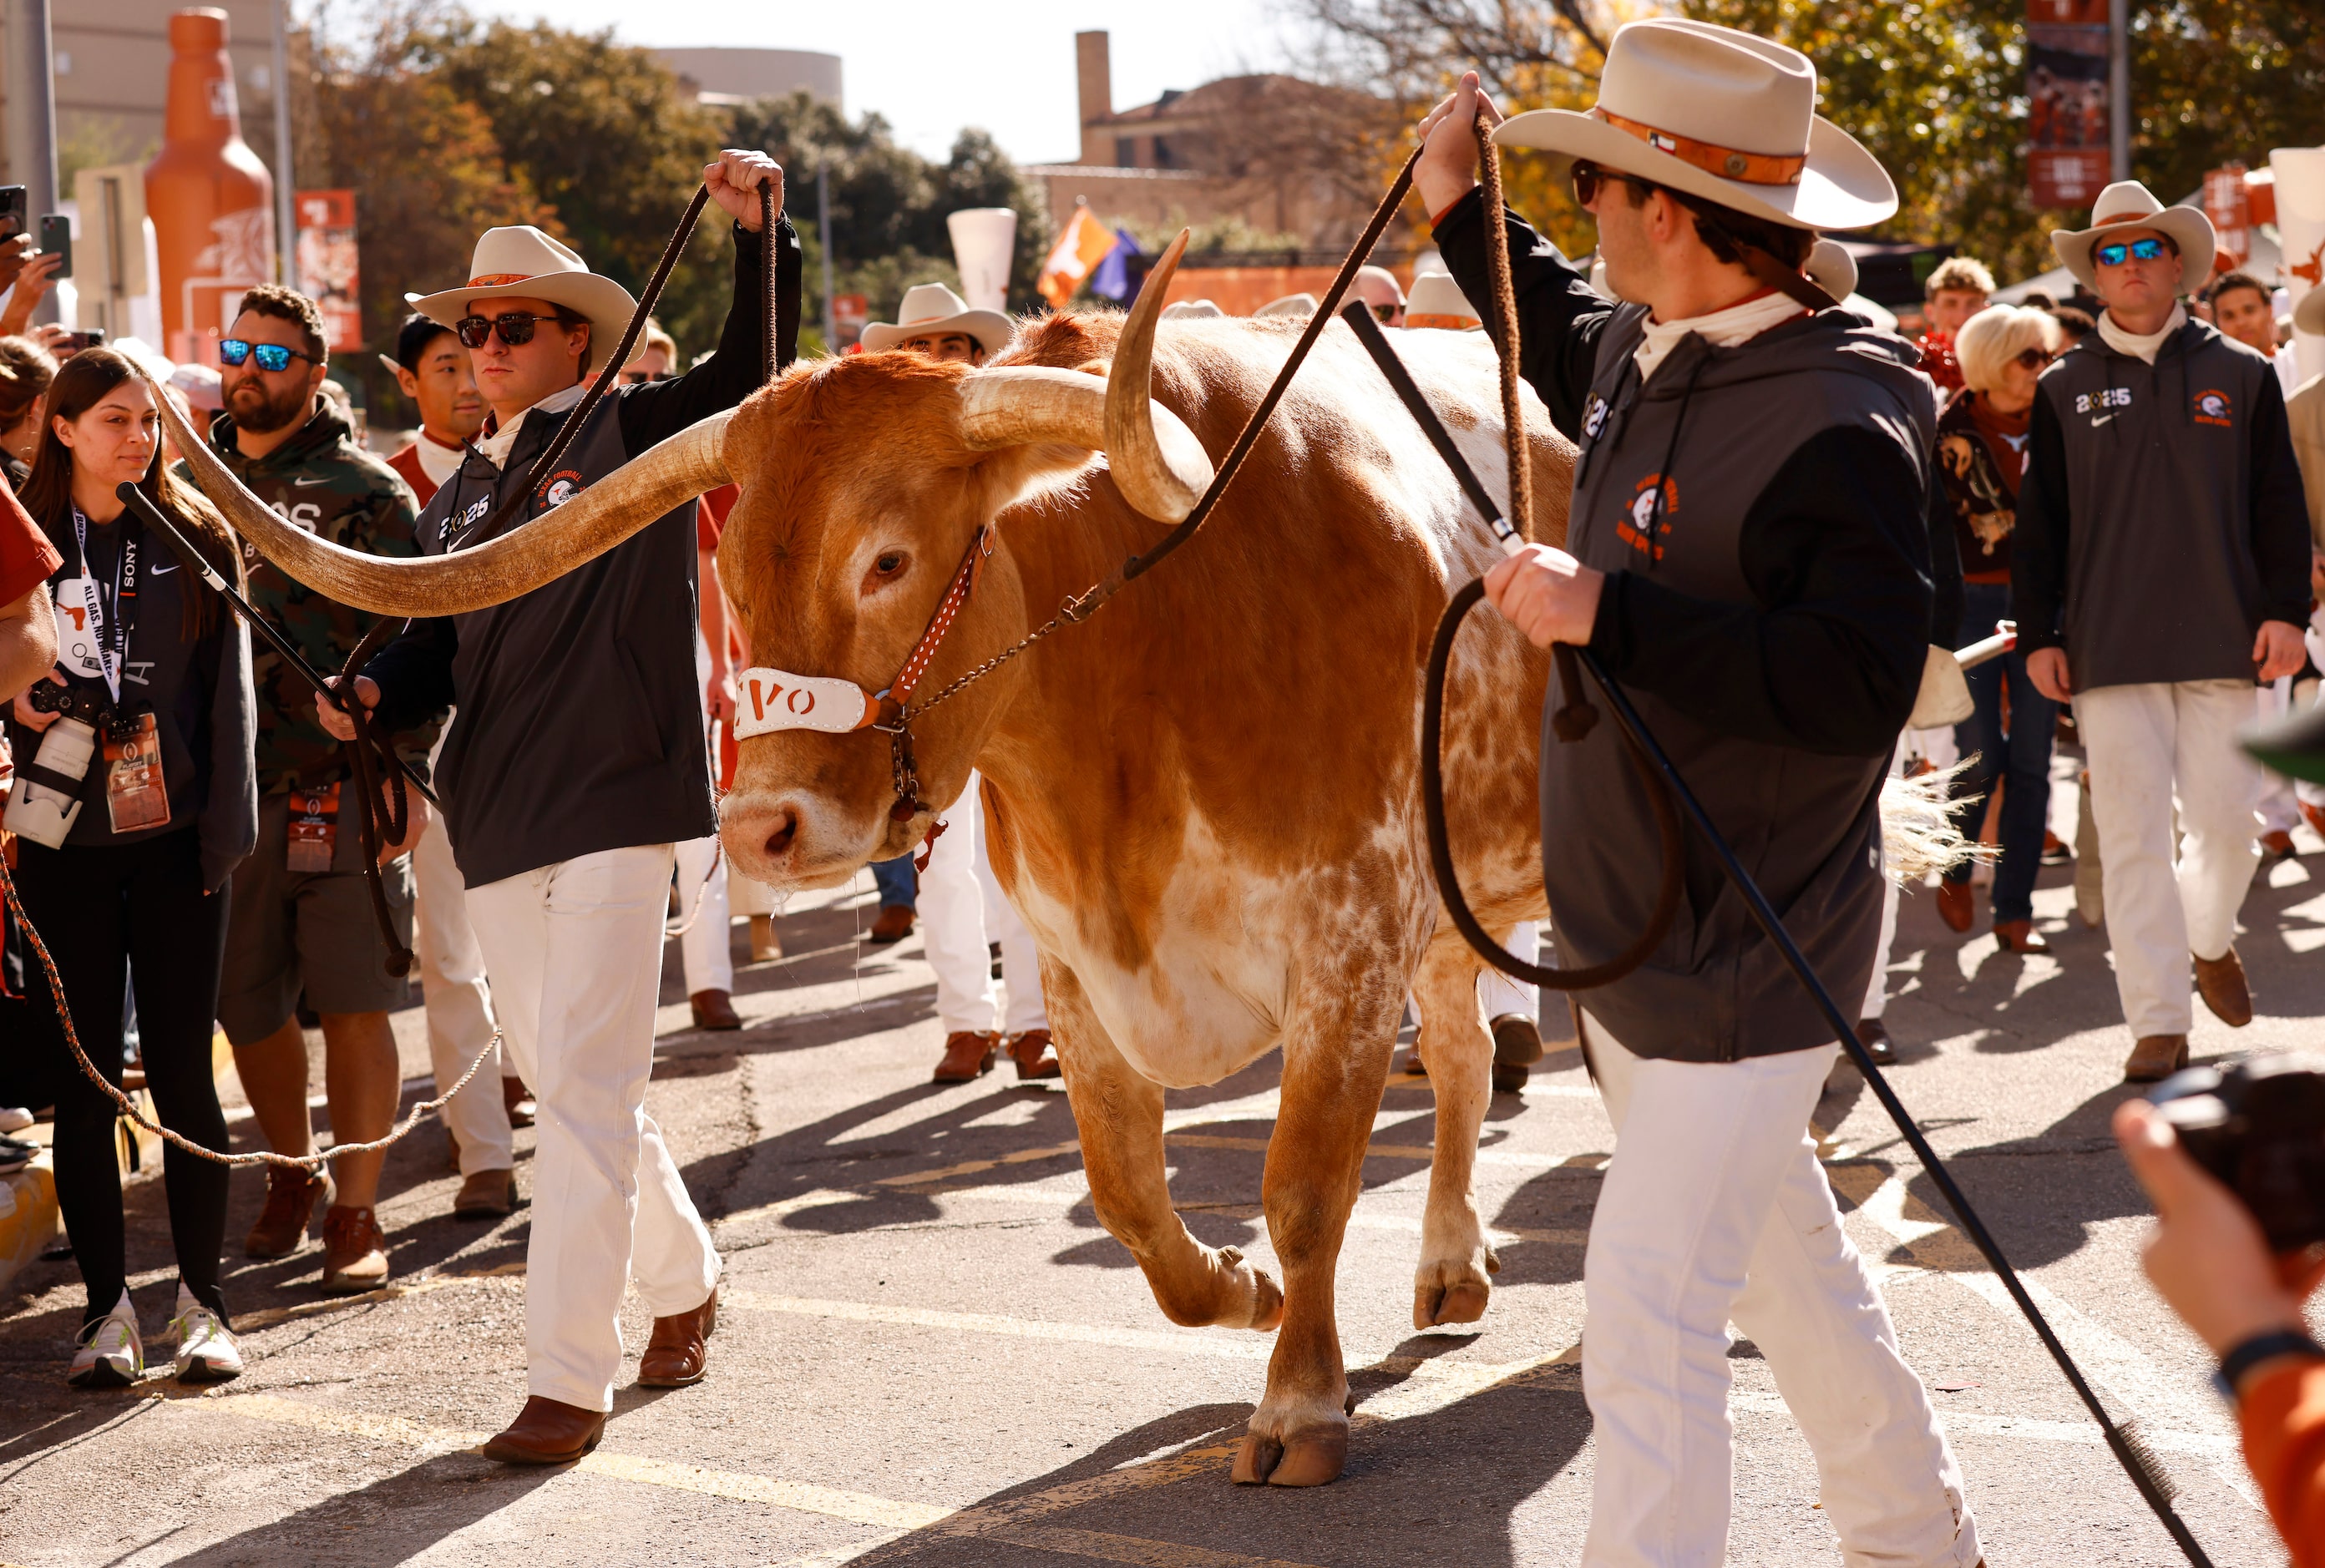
[(323, 481)]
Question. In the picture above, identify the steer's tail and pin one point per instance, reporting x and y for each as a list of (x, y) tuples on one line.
[(1918, 835)]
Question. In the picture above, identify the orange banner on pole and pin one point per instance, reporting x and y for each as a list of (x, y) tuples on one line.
[(1080, 246)]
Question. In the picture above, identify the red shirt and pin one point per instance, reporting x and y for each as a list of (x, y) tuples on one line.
[(710, 517), (27, 559), (407, 464), (1938, 359), (2284, 1420)]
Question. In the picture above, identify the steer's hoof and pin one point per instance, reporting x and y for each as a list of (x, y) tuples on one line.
[(1310, 1460), (1460, 1303), (1263, 1297)]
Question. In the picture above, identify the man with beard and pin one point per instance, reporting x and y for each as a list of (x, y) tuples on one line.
[(301, 925)]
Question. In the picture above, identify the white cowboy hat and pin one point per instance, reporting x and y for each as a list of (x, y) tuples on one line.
[(1437, 300), (1301, 305), (1831, 268), (1713, 113), (1190, 311), (2309, 315), (2127, 202), (931, 310), (521, 262)]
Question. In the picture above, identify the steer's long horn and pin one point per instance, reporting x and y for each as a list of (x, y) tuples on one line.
[(652, 483), (1158, 465)]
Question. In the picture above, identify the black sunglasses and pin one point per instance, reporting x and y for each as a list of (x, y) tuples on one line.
[(2033, 358), (271, 356), (1588, 177), (515, 330), (2144, 249)]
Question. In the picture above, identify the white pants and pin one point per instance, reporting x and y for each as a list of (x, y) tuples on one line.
[(953, 915), (459, 1006), (2150, 745), (2278, 808), (704, 960), (1714, 1208), (575, 952), (704, 957), (1498, 994)]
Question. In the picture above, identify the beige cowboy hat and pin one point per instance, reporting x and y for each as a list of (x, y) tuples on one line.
[(1713, 113), (1831, 268), (524, 263), (2309, 313), (930, 311), (1437, 300), (2127, 202), (1192, 311), (1300, 305)]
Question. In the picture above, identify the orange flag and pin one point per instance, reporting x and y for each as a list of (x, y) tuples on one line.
[(1081, 245)]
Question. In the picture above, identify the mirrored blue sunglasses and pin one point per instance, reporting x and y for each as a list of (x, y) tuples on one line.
[(2146, 250), (271, 356)]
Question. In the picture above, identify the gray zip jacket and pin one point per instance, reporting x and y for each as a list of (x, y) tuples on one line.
[(1760, 513), (2161, 519), (579, 728)]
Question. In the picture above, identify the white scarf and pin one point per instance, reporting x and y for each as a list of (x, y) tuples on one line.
[(2140, 345), (1721, 328), (437, 460), (497, 446)]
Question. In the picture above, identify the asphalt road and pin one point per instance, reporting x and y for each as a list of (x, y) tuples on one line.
[(930, 1353)]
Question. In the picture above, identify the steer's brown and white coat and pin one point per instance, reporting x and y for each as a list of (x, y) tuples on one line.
[(1205, 801)]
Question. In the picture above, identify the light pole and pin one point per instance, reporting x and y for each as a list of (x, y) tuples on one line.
[(823, 238), (2119, 88), (32, 116), (286, 232)]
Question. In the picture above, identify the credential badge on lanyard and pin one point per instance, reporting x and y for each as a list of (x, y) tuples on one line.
[(86, 650)]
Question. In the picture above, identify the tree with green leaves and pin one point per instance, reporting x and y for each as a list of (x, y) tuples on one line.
[(1938, 92)]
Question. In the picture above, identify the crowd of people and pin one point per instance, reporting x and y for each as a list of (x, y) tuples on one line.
[(2129, 484)]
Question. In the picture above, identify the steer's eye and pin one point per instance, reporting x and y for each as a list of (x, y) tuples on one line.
[(886, 567)]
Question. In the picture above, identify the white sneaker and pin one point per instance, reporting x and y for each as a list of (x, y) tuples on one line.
[(14, 1119), (207, 1352), (111, 1355)]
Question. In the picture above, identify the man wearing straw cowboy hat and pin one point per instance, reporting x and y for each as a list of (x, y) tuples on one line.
[(2160, 564), (1749, 554), (568, 774)]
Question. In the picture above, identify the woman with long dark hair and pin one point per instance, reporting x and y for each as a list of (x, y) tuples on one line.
[(146, 810)]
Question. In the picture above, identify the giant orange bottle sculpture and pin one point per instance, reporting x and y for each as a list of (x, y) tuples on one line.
[(210, 198)]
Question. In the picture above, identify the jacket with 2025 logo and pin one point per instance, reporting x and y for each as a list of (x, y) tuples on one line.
[(2160, 521)]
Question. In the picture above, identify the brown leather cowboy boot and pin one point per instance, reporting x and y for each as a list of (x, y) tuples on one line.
[(546, 1432), (968, 1057), (675, 1354), (2221, 981)]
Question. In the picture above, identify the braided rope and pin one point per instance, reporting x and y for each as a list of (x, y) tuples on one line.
[(128, 1107), (1505, 313)]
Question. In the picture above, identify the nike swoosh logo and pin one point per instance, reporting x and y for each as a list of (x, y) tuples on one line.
[(160, 571), (307, 484), (2099, 420)]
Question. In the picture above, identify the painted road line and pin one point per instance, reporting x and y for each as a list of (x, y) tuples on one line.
[(2169, 1413), (1014, 1522), (856, 1507)]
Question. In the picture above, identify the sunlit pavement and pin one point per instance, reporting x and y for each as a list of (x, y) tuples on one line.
[(928, 1351)]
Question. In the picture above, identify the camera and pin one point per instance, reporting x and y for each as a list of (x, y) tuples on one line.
[(45, 803), (2258, 1126)]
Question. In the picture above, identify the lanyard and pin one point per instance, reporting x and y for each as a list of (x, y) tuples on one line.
[(124, 587)]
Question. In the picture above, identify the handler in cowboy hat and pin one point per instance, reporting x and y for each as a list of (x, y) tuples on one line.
[(1747, 552), (567, 775), (938, 323), (2161, 562)]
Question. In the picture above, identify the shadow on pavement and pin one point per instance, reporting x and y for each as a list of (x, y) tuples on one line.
[(392, 1520)]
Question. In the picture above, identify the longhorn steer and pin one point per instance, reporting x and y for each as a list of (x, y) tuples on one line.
[(1205, 801)]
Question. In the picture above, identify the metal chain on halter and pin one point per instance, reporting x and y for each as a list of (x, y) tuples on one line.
[(128, 1107)]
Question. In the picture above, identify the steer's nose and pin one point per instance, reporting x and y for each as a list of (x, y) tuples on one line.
[(783, 827)]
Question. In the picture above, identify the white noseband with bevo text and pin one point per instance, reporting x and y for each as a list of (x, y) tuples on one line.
[(776, 699)]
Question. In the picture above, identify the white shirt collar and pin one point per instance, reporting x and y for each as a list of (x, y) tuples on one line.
[(1720, 329), (496, 446), (437, 460), (2136, 345)]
